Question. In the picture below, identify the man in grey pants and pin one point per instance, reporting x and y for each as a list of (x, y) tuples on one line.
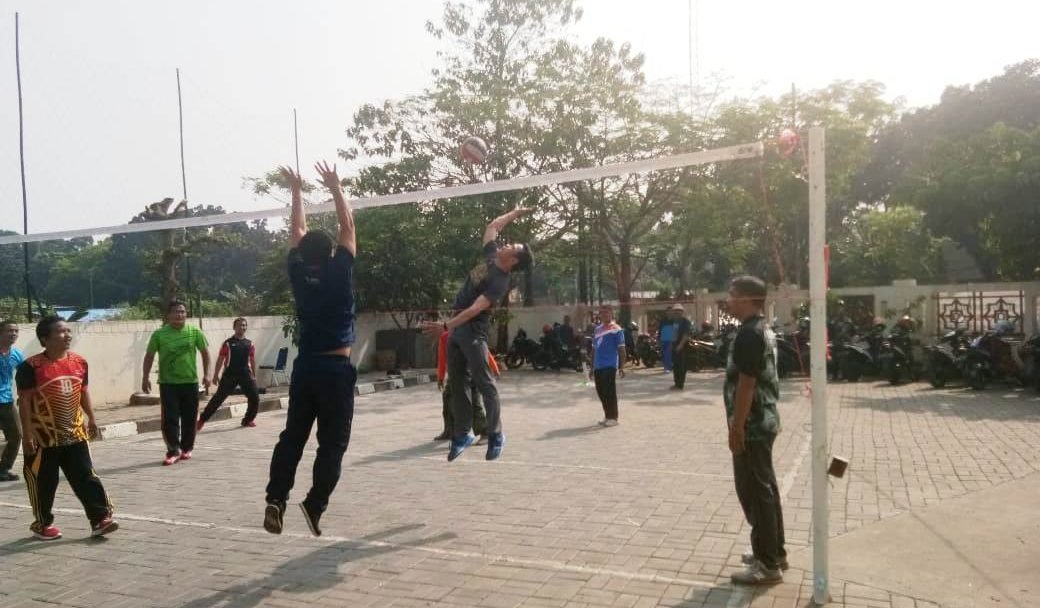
[(10, 359), (484, 288)]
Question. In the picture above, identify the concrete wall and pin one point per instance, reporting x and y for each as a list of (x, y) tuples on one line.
[(115, 349)]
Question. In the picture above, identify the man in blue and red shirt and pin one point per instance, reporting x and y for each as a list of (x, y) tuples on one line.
[(608, 363)]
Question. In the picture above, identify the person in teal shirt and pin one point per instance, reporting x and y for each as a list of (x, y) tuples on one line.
[(176, 344), (10, 359)]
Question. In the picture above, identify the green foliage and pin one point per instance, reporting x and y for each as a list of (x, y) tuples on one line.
[(900, 185), (880, 246)]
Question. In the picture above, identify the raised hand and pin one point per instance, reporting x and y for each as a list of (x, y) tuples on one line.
[(329, 177), (291, 177)]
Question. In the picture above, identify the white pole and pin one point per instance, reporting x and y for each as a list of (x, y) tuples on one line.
[(818, 336)]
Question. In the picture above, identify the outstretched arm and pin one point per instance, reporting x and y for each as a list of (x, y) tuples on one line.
[(434, 329), (347, 238), (298, 219), (500, 222)]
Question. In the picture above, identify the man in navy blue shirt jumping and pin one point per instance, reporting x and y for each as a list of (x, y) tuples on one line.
[(322, 384)]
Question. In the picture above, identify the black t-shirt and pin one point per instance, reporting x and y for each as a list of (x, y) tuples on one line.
[(238, 352), (324, 297), (566, 335), (683, 329), (487, 280)]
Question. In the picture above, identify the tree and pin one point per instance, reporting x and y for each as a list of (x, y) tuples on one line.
[(984, 192), (853, 113), (882, 245)]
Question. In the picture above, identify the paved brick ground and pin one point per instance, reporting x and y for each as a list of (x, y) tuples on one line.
[(639, 515)]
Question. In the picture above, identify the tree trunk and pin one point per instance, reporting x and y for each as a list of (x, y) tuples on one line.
[(583, 293), (168, 272), (624, 283)]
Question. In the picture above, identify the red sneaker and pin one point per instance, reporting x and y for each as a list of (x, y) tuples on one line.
[(47, 533), (186, 455), (249, 424), (170, 460), (199, 424), (104, 526)]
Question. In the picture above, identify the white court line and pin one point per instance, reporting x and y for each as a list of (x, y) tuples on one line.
[(792, 473), (492, 558), (584, 467), (552, 465)]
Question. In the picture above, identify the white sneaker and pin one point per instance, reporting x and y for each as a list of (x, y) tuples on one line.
[(749, 558), (757, 574), (602, 422), (610, 422)]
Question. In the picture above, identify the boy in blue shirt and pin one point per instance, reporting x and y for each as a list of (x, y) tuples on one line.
[(608, 363), (10, 359)]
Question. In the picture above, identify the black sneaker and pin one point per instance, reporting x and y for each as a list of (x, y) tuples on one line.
[(311, 519), (8, 476), (273, 515)]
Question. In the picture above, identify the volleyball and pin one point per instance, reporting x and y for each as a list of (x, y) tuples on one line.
[(473, 150), (788, 142)]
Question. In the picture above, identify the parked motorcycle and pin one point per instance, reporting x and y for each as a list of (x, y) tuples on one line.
[(553, 354), (522, 350), (792, 350), (945, 358), (706, 350), (1030, 355), (897, 357), (647, 351), (990, 358), (862, 356), (841, 333)]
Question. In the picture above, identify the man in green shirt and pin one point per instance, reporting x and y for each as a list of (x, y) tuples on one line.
[(176, 344), (750, 393)]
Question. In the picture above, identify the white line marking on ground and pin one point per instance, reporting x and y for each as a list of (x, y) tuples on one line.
[(489, 557), (792, 473), (555, 465), (584, 467)]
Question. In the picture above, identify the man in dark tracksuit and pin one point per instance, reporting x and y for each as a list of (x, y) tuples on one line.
[(750, 394), (323, 379), (484, 288), (682, 329), (239, 354)]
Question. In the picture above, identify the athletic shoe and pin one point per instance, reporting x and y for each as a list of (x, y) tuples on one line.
[(459, 445), (443, 436), (8, 476), (602, 422), (105, 526), (199, 424), (249, 424), (675, 388), (610, 422), (757, 574), (749, 558), (273, 515), (47, 533), (311, 519), (496, 441), (170, 460), (186, 455)]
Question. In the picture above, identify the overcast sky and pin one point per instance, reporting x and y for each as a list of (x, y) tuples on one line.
[(101, 99)]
